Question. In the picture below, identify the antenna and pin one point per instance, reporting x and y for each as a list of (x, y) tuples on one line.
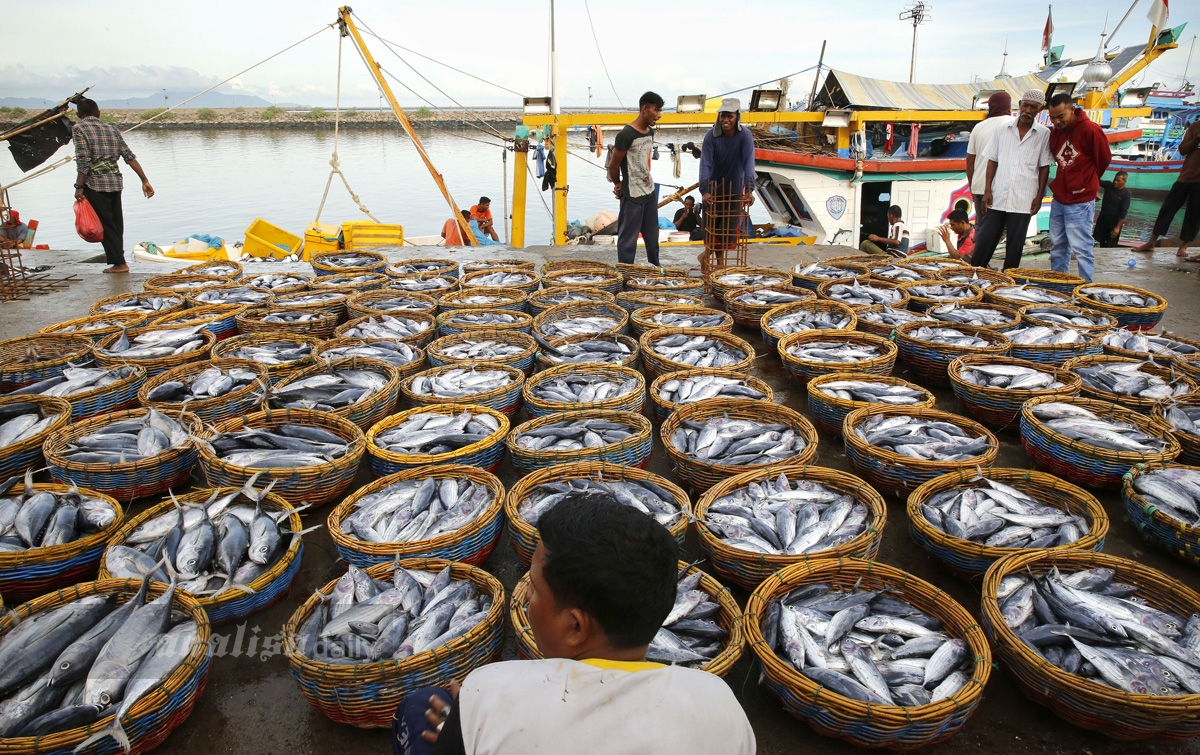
[(918, 12)]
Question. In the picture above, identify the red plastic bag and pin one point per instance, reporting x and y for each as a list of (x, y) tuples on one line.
[(87, 222)]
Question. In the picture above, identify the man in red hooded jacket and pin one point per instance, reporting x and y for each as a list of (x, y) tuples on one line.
[(1080, 150)]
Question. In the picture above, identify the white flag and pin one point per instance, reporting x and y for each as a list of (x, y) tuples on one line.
[(1158, 14)]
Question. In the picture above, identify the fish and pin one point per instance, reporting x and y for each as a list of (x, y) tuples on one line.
[(573, 435), (91, 324), (1011, 376), (646, 496), (863, 294), (208, 383), (888, 316), (415, 510), (693, 388), (413, 267), (1044, 335), (431, 283), (273, 353), (42, 518), (871, 392), (335, 388), (826, 272), (387, 327), (1002, 516), (796, 322), (697, 351), (633, 300), (741, 280), (480, 349), (778, 516), (1031, 294), (234, 295), (1080, 318), (689, 635), (592, 350), (30, 648), (431, 433), (285, 316), (1147, 343), (665, 282), (1118, 297), (481, 300), (583, 389), (974, 314), (941, 291), (948, 336), (141, 303), (217, 269), (921, 439), (574, 326), (459, 382), (1083, 425), (582, 278), (309, 298), (556, 296), (128, 440), (345, 280), (1174, 491), (273, 281), (1183, 418), (349, 260), (23, 420), (284, 446), (156, 343), (395, 353), (709, 319), (477, 319), (502, 278), (932, 266), (737, 442), (762, 297), (970, 280), (398, 303), (75, 380), (1128, 379), (835, 351)]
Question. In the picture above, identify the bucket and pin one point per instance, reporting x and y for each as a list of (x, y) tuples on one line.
[(678, 236)]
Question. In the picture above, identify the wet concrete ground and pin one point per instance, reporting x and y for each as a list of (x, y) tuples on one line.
[(253, 706)]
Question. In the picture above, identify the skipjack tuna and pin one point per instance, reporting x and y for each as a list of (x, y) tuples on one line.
[(1031, 294), (1127, 379), (501, 278), (863, 294), (867, 645), (646, 496), (387, 327), (368, 621), (407, 268), (272, 281), (591, 350), (457, 383), (782, 517), (834, 351), (689, 636), (1080, 424), (482, 318), (482, 349), (583, 389), (310, 297), (689, 390), (239, 295), (127, 440), (574, 326), (684, 320), (1100, 630), (327, 391), (398, 303), (348, 260), (977, 316), (414, 510), (1000, 516), (741, 280), (921, 439), (1044, 335), (394, 353), (429, 433), (941, 291), (697, 351), (209, 383), (889, 316), (282, 447), (796, 322), (737, 442), (870, 392), (1147, 343), (1011, 376), (931, 266), (828, 272), (32, 518), (278, 352), (1184, 418), (290, 317), (971, 280), (140, 303), (566, 296), (1118, 297), (897, 274), (1061, 316), (421, 284), (74, 380), (761, 297), (1175, 491), (343, 280), (574, 435), (948, 336), (157, 343)]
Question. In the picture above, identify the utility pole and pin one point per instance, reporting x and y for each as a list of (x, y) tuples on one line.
[(918, 12)]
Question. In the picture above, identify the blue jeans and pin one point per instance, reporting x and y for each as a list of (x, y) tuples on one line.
[(1071, 231)]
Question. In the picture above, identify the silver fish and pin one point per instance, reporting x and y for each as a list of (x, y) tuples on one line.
[(949, 336), (1002, 516), (1044, 335), (348, 260), (208, 383), (761, 297), (737, 442), (889, 316), (697, 351), (273, 353), (826, 272), (921, 439), (430, 433), (460, 382), (330, 390), (1118, 297), (690, 389), (387, 327), (1088, 427), (975, 314), (1128, 379), (646, 496), (1012, 376), (1031, 294), (796, 322), (415, 510), (834, 351), (573, 326), (395, 353), (234, 295), (431, 283), (941, 291), (142, 303), (273, 281), (871, 392), (863, 294), (573, 435), (1175, 491), (1082, 318), (1147, 343)]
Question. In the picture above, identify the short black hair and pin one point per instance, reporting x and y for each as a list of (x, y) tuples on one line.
[(1120, 173), (959, 216), (650, 98), (896, 211), (484, 200), (87, 107), (1061, 98), (466, 214), (612, 561)]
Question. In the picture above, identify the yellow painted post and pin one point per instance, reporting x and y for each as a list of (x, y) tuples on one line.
[(560, 186), (520, 175)]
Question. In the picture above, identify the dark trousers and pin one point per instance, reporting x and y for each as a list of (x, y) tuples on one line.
[(980, 212), (1181, 194), (1103, 232), (635, 218), (107, 205), (409, 721), (987, 237)]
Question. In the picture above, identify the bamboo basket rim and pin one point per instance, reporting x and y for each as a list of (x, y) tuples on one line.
[(364, 299), (1106, 410), (523, 319), (448, 457), (1033, 317), (641, 317), (870, 260), (810, 305), (902, 303), (857, 416), (535, 278), (745, 408), (82, 349), (46, 555), (197, 268), (568, 370), (575, 309), (135, 319), (889, 349), (317, 260), (99, 304), (172, 360), (417, 315), (445, 266), (205, 313), (997, 342), (990, 294), (527, 343), (454, 284), (340, 426), (506, 298), (184, 371), (347, 506), (516, 380), (234, 285), (591, 292), (976, 292), (814, 386), (334, 282), (757, 383), (390, 371), (643, 430), (720, 272), (1030, 274), (941, 263), (57, 441), (1071, 381), (997, 277), (1127, 490), (1166, 371), (611, 276), (728, 339), (160, 283)]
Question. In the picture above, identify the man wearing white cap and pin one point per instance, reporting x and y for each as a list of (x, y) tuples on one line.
[(1018, 165), (726, 176)]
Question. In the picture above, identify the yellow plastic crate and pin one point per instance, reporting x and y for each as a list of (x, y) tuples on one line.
[(321, 237), (362, 234), (265, 240)]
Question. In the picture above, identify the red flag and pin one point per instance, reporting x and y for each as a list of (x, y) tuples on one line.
[(1048, 32), (1158, 14)]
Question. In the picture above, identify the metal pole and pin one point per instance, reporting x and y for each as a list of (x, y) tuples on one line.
[(1189, 60), (1123, 18), (813, 97), (553, 66), (504, 159), (912, 61)]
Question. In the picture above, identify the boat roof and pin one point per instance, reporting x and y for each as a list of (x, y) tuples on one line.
[(844, 89)]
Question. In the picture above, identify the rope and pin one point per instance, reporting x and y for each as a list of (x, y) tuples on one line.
[(334, 162), (419, 96), (602, 63), (539, 193), (440, 63)]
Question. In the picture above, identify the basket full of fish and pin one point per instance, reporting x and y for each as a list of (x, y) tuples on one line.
[(388, 302), (867, 653), (571, 387), (469, 320), (227, 269), (221, 319), (350, 283), (977, 314), (539, 301), (275, 320), (710, 441), (670, 349), (25, 423), (702, 631), (1132, 344), (632, 301), (1183, 417), (968, 521), (810, 354), (631, 270), (364, 642), (861, 295), (494, 385), (581, 318), (924, 294), (156, 349), (236, 550), (432, 285), (360, 389), (1080, 318), (423, 266), (800, 317), (477, 265), (51, 535), (520, 279), (95, 327), (440, 434), (108, 666), (1135, 308), (311, 456), (1105, 643), (883, 319), (332, 302), (483, 299), (1024, 294), (213, 390), (832, 396), (279, 283), (539, 491), (282, 354), (1163, 502), (143, 303), (1132, 383), (814, 274), (897, 273), (91, 390), (1092, 443), (127, 455), (1051, 344), (234, 292), (585, 349), (681, 316), (180, 283), (993, 388), (341, 262), (980, 277), (931, 266), (747, 305), (673, 390), (609, 280), (1052, 279), (756, 523), (407, 359), (897, 448), (928, 350), (725, 279), (30, 359), (603, 435), (464, 349), (448, 511), (413, 326), (678, 285)]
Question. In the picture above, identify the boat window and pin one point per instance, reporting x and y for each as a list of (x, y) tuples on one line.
[(797, 203), (771, 197)]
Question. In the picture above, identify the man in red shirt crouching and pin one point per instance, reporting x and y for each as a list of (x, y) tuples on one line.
[(963, 244)]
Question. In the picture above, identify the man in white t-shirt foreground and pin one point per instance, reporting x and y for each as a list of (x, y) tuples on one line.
[(602, 581)]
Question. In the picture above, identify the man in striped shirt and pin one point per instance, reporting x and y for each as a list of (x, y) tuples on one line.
[(97, 147)]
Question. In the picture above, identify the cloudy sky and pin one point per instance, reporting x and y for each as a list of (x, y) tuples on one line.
[(130, 48)]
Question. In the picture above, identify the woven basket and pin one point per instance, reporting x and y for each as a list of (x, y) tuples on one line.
[(25, 361), (227, 269), (630, 402), (749, 315), (771, 336), (153, 365), (968, 559), (700, 475), (215, 409), (505, 399), (583, 309), (444, 284), (902, 303), (1189, 443), (362, 305), (523, 361), (633, 451), (1013, 315), (228, 348), (344, 283), (122, 394), (497, 298), (233, 286), (1054, 354), (1083, 463), (26, 574), (870, 260), (921, 303), (221, 319), (366, 413), (421, 339), (1137, 403), (169, 303), (1166, 532), (1028, 316), (854, 271), (486, 454), (929, 361), (539, 301), (524, 537), (266, 590), (402, 371), (469, 544), (468, 280), (635, 300), (931, 266), (960, 274), (865, 724), (293, 302), (130, 480), (643, 318), (1188, 363), (1000, 408), (666, 284), (881, 273), (430, 266), (829, 411), (546, 360), (631, 270), (895, 474), (1090, 705), (748, 569), (151, 719), (1064, 283), (880, 328), (97, 326), (659, 365), (990, 295), (179, 283), (321, 266), (729, 618), (804, 370), (720, 288), (290, 288), (321, 326), (559, 266), (447, 325), (477, 265), (664, 408), (367, 695), (608, 279)]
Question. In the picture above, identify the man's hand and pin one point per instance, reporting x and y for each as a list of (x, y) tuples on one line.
[(147, 189), (438, 712), (1036, 206), (987, 199), (748, 197), (706, 199), (944, 232), (617, 189), (78, 195), (875, 237)]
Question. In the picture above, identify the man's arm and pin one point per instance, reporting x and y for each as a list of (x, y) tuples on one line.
[(988, 177), (1101, 152), (748, 165), (1191, 138), (83, 159), (614, 170), (147, 189), (706, 166), (1124, 211), (970, 169), (1043, 177)]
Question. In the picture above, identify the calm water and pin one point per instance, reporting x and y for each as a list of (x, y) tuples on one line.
[(218, 182)]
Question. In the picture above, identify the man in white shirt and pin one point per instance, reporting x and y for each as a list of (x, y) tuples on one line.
[(894, 243), (999, 113), (603, 580), (1018, 165)]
